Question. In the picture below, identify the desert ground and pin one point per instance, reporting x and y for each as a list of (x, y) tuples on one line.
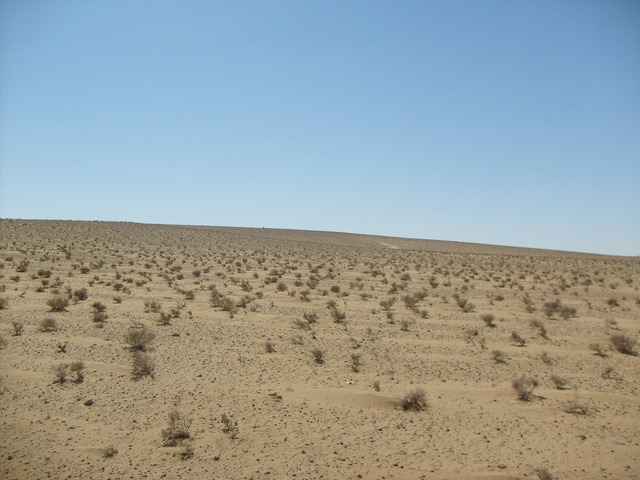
[(149, 351)]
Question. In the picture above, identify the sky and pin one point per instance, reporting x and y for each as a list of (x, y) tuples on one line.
[(501, 122)]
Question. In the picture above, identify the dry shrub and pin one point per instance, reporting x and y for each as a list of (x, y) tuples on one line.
[(110, 452), (80, 294), (524, 387), (542, 330), (78, 369), (544, 474), (61, 373), (139, 338), (356, 362), (18, 328), (338, 316), (559, 382), (318, 355), (415, 401), (178, 429), (3, 303), (230, 426), (48, 325), (269, 346), (98, 306), (578, 407), (58, 303), (311, 317), (499, 356), (608, 372), (142, 365), (599, 349), (517, 339), (623, 343), (489, 319)]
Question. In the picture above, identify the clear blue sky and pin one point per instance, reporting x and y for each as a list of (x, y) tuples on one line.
[(504, 122)]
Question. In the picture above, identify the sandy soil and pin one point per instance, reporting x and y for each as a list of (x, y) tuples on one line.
[(290, 416)]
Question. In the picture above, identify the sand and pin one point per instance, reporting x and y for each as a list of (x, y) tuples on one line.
[(291, 416)]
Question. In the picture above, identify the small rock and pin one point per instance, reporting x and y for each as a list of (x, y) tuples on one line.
[(88, 403)]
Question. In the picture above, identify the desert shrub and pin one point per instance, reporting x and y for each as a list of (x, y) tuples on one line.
[(228, 305), (78, 369), (98, 307), (405, 325), (100, 317), (117, 299), (152, 306), (301, 324), (177, 430), (338, 316), (229, 426), (578, 407), (599, 349), (608, 372), (48, 324), (543, 474), (613, 302), (311, 317), (387, 304), (559, 382), (542, 330), (488, 319), (3, 342), (165, 318), (142, 365), (110, 452), (62, 347), (356, 362), (80, 294), (61, 373), (376, 385), (550, 308), (524, 387), (623, 343), (546, 359), (517, 339), (139, 338), (281, 287), (4, 303), (188, 450), (58, 303), (269, 346), (567, 312), (415, 400), (499, 356), (318, 355), (18, 328)]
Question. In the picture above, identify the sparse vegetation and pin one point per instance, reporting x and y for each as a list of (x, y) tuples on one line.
[(318, 355), (229, 426), (415, 401), (139, 338), (58, 303), (178, 429), (142, 365), (524, 387), (48, 324), (624, 344)]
